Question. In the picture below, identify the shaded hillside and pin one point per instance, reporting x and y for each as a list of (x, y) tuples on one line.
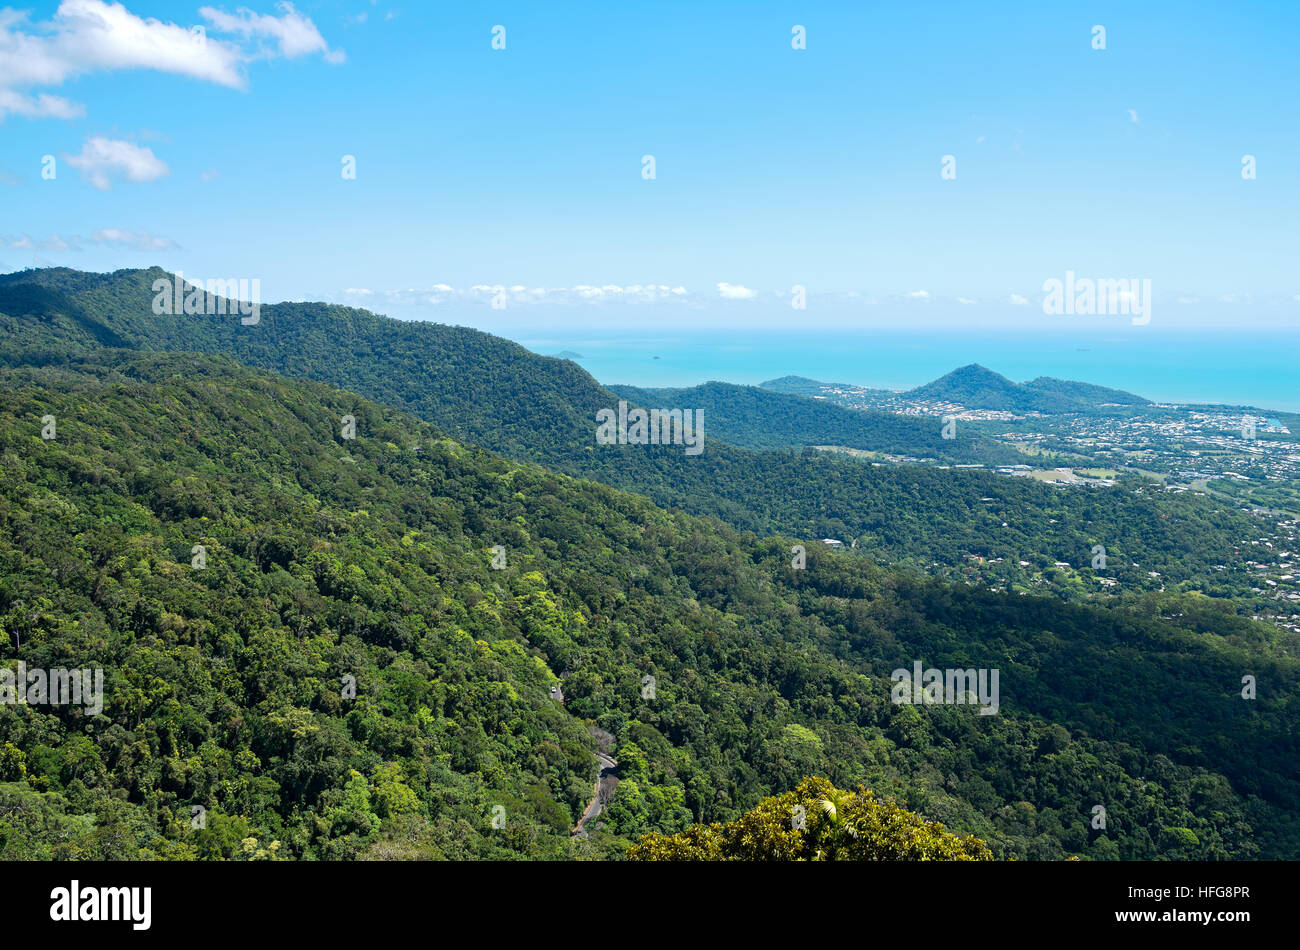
[(803, 386), (1089, 394), (371, 558), (495, 393), (755, 418)]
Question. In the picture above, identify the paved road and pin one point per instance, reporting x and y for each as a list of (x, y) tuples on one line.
[(604, 788)]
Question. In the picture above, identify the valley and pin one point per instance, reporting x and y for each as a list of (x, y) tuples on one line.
[(456, 587)]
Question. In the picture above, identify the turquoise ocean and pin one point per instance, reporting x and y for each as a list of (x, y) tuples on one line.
[(1247, 368)]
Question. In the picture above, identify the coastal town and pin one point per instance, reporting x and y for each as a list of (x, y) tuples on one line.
[(1246, 457)]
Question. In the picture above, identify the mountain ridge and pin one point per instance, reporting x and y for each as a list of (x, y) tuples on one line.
[(370, 555), (978, 387), (492, 392)]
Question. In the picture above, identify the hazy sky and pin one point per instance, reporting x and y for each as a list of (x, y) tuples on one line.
[(522, 168)]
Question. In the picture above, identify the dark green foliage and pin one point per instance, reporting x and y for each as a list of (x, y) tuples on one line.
[(372, 557), (492, 392), (754, 418)]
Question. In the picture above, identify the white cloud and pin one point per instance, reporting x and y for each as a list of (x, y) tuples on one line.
[(131, 240), (1133, 116), (91, 36), (735, 291), (42, 106), (443, 293), (294, 33), (209, 176), (51, 243), (87, 36), (591, 295), (143, 241), (102, 159)]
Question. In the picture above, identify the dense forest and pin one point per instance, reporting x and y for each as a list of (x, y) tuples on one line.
[(401, 645), (491, 392), (754, 418)]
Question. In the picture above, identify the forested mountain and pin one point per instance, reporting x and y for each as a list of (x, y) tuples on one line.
[(492, 392), (488, 390), (327, 557), (976, 387), (1088, 394), (979, 388), (755, 418), (803, 386)]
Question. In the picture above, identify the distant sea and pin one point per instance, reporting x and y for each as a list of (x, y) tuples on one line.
[(1249, 368)]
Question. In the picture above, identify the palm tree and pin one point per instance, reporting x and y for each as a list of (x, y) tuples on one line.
[(835, 807)]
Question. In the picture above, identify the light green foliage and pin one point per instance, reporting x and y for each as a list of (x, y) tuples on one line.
[(223, 686), (816, 822)]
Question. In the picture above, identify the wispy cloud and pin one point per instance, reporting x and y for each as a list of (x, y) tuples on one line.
[(132, 240), (25, 243), (103, 159), (41, 106), (294, 34), (111, 237), (441, 293)]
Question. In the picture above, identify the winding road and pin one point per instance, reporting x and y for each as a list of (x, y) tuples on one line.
[(605, 784)]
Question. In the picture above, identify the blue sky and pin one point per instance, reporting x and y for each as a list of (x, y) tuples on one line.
[(522, 168)]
